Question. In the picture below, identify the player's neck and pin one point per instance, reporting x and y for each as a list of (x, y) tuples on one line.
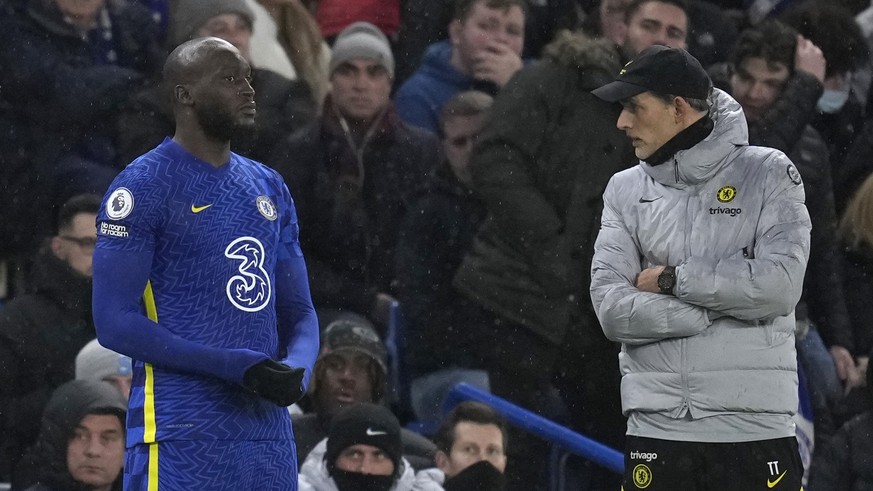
[(209, 150)]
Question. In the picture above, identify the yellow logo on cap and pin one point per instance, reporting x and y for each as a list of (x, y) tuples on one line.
[(623, 70)]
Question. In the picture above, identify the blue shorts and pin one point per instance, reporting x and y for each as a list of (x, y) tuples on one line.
[(206, 465)]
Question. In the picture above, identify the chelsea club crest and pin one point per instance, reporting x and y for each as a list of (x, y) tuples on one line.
[(267, 208)]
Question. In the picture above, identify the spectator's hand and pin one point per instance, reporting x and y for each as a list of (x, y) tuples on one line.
[(844, 362), (275, 382), (809, 58), (647, 280), (382, 308), (498, 63)]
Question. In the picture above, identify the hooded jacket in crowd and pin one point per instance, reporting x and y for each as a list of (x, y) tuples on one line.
[(45, 463), (41, 332)]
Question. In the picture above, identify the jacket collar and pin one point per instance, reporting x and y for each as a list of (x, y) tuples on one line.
[(700, 162)]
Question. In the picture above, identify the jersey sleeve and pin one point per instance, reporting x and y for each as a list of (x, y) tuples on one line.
[(128, 224), (296, 317)]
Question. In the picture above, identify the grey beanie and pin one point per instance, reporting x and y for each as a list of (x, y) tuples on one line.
[(94, 362), (190, 15), (362, 40)]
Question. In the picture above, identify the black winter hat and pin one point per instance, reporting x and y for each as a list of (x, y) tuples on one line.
[(364, 424), (662, 70)]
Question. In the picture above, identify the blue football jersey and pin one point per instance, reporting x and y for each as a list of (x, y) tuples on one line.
[(214, 235)]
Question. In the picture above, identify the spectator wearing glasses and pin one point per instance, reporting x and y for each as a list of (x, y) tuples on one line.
[(42, 330)]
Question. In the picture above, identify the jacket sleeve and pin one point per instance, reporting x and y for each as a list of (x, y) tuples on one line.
[(782, 125), (768, 284), (505, 170), (627, 314)]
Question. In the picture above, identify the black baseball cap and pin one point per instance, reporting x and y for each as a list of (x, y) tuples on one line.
[(659, 69)]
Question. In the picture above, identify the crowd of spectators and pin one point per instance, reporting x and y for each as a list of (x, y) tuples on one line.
[(445, 157)]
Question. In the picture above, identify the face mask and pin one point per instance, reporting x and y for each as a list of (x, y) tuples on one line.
[(832, 101), (353, 481), (481, 476)]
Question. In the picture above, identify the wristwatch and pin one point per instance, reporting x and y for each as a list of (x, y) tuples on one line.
[(667, 280)]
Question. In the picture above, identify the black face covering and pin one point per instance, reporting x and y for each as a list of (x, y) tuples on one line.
[(481, 476), (353, 481)]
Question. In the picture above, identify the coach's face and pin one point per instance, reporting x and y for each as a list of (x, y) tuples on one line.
[(649, 122)]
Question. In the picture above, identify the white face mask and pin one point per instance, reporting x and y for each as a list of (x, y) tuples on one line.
[(831, 101)]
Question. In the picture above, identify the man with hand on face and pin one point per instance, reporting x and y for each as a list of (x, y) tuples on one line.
[(199, 277), (697, 268), (486, 39), (362, 452)]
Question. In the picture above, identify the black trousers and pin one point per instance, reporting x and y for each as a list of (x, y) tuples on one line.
[(665, 465)]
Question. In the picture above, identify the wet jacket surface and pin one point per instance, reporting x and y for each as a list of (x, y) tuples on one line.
[(731, 218)]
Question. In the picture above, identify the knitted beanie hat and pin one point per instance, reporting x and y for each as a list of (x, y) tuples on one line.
[(94, 362), (362, 40), (190, 15), (364, 424)]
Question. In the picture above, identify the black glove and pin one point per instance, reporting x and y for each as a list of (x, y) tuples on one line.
[(275, 382)]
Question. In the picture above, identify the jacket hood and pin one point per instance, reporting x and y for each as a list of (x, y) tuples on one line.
[(599, 57), (698, 163), (46, 461)]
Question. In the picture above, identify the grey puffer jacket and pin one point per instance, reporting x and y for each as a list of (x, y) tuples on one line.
[(731, 218)]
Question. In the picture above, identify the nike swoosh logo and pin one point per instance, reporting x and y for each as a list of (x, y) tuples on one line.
[(646, 200), (774, 483), (198, 209), (374, 432)]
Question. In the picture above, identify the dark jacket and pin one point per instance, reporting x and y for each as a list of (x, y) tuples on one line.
[(44, 467), (436, 233), (845, 461), (350, 208), (283, 106), (66, 97), (858, 287), (543, 160), (40, 334), (823, 283), (823, 301), (309, 429)]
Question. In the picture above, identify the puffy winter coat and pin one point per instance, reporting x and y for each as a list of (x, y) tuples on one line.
[(731, 218)]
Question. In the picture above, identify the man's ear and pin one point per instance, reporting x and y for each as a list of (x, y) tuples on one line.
[(455, 28), (182, 95), (56, 246), (442, 460)]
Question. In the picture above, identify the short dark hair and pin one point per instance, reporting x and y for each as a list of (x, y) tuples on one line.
[(636, 4), (834, 30), (465, 104), (81, 203), (473, 412), (697, 104), (463, 7), (771, 40)]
